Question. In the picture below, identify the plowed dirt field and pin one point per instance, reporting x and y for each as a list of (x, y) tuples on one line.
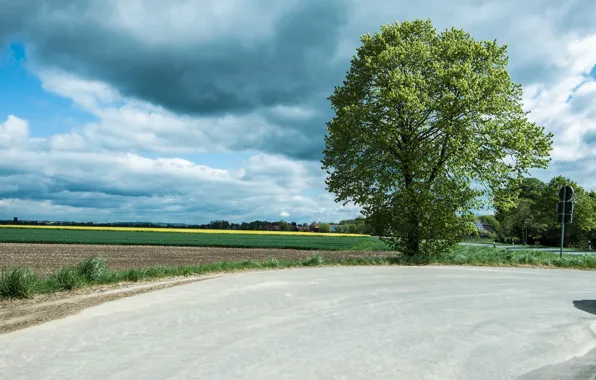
[(45, 258)]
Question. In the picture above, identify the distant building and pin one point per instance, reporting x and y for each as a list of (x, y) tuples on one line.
[(314, 227), (334, 227), (484, 228), (15, 220)]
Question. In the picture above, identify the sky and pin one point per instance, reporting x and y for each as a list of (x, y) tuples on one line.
[(187, 111)]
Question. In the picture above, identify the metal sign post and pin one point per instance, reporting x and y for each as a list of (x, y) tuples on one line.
[(563, 222), (565, 211)]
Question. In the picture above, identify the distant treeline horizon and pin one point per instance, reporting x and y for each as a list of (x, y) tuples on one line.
[(349, 225)]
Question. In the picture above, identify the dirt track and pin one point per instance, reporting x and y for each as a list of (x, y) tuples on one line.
[(45, 258)]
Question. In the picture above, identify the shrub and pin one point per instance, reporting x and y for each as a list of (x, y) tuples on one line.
[(66, 279), (272, 263), (314, 261), (324, 227), (93, 269), (18, 283), (135, 275)]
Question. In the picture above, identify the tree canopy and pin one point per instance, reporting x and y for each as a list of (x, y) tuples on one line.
[(427, 125), (534, 215)]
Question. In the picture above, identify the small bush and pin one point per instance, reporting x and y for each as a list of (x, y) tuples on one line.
[(314, 261), (93, 269), (135, 275), (18, 283), (66, 279), (272, 263)]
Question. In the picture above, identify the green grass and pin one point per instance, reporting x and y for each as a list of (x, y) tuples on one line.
[(18, 283), (23, 283), (66, 279), (315, 242), (484, 256), (93, 268)]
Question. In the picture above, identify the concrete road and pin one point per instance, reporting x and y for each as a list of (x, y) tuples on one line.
[(328, 323)]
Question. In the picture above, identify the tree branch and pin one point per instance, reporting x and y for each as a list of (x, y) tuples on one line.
[(442, 159)]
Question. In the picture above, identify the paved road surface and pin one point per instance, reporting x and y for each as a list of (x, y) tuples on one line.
[(328, 323)]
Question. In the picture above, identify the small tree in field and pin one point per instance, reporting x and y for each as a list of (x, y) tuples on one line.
[(324, 227), (427, 127)]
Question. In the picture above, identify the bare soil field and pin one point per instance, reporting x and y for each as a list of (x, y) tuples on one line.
[(45, 258)]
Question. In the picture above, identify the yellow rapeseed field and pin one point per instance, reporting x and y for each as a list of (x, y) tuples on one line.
[(183, 230)]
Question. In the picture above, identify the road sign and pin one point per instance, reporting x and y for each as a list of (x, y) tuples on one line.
[(566, 193), (565, 211), (568, 218), (565, 208)]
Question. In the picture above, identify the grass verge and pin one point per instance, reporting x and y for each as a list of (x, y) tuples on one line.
[(23, 283)]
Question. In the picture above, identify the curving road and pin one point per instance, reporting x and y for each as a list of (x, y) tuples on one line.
[(328, 323)]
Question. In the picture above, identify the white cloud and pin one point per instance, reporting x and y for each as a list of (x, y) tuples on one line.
[(566, 107), (284, 214), (13, 132), (44, 178)]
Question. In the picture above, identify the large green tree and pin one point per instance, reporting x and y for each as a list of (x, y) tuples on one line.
[(535, 213), (427, 126), (527, 218)]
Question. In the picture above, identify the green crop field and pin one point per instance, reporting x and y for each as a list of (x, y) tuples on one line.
[(314, 242)]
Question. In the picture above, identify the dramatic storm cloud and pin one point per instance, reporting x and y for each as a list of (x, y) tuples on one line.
[(189, 110)]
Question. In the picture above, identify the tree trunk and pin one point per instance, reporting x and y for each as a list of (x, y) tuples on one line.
[(412, 236), (412, 241)]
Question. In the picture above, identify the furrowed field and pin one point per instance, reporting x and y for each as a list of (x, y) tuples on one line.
[(189, 238)]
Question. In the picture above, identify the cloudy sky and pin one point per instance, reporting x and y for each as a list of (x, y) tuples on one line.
[(195, 110)]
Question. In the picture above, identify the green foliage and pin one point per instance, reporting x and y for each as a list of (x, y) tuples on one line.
[(324, 227), (314, 261), (354, 226), (534, 214), (493, 222), (93, 269), (18, 283), (66, 279), (284, 226), (421, 117)]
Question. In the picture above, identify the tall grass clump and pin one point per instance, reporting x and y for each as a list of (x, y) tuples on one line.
[(93, 269), (314, 261), (18, 283), (66, 279)]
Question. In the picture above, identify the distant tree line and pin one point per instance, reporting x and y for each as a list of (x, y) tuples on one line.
[(533, 217), (353, 226)]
